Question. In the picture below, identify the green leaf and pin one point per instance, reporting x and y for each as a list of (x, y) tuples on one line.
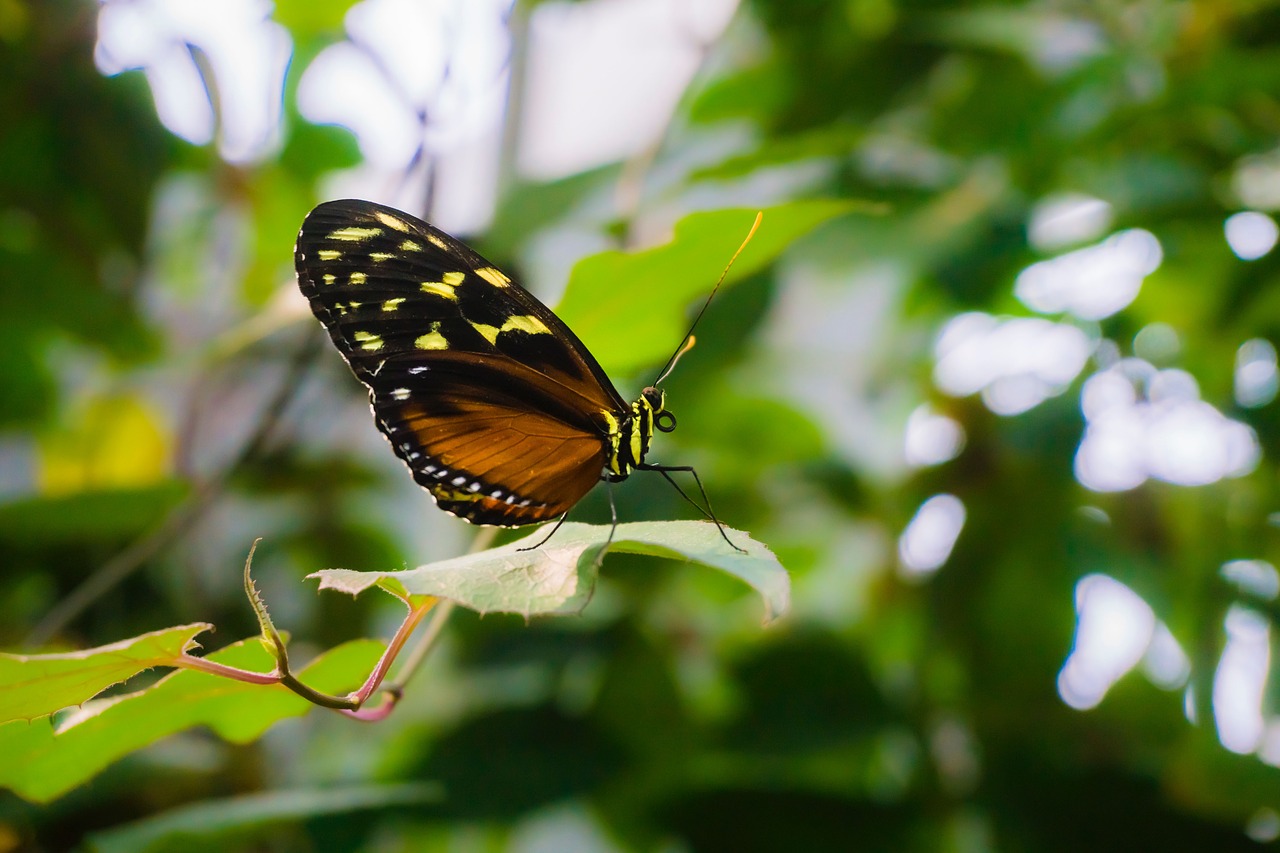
[(628, 308), (558, 576), (312, 18), (86, 516), (823, 143), (43, 760), (215, 824), (35, 685)]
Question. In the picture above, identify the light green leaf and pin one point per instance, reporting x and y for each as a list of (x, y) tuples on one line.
[(312, 18), (35, 685), (629, 308), (44, 760), (559, 575)]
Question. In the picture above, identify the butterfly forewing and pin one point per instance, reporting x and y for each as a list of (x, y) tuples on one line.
[(496, 407)]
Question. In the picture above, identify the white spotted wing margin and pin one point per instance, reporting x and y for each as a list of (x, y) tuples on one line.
[(495, 405), (559, 576)]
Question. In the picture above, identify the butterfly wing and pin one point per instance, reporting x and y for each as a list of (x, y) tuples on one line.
[(493, 403)]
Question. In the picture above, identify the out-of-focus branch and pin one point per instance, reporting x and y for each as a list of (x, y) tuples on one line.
[(182, 517)]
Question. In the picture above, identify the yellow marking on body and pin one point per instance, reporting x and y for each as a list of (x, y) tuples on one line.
[(329, 254), (489, 333), (493, 276), (528, 324), (432, 340), (355, 234), (329, 278), (614, 444), (437, 242), (410, 246), (439, 288), (611, 425), (368, 341), (392, 221), (392, 304), (358, 278), (635, 441), (453, 279), (379, 257)]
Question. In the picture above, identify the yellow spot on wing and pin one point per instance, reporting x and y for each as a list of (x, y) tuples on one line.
[(432, 340), (410, 246), (529, 324), (392, 304), (329, 254), (493, 276), (445, 493), (439, 288), (437, 242), (381, 256), (358, 278), (329, 278), (489, 333), (392, 221), (453, 279), (368, 341), (354, 234)]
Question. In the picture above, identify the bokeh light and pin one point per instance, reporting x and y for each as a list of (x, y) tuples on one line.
[(1147, 423), (1256, 375), (1066, 220), (931, 438), (1114, 629), (1251, 234), (1240, 680), (927, 542), (1093, 282), (247, 55), (1254, 577), (1015, 363)]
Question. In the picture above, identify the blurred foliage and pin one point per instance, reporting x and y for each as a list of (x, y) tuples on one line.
[(140, 305)]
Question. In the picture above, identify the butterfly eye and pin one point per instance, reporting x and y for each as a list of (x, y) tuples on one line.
[(665, 421)]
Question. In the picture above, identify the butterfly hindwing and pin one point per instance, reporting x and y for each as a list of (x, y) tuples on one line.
[(492, 402)]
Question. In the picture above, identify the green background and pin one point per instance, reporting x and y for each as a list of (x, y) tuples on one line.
[(886, 712)]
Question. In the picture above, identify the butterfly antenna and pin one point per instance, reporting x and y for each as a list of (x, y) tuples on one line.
[(687, 343)]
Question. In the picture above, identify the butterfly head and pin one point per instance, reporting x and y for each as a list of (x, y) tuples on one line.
[(663, 420)]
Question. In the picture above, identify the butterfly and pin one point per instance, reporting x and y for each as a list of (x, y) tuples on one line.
[(498, 409)]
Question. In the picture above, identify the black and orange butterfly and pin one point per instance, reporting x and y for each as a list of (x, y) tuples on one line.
[(498, 409)]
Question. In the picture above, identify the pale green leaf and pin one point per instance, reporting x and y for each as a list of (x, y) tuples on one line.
[(559, 575)]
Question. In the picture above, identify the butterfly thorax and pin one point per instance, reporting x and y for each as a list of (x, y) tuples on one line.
[(628, 437)]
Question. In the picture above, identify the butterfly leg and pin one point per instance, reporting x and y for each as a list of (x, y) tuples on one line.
[(547, 538), (708, 513), (613, 513)]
